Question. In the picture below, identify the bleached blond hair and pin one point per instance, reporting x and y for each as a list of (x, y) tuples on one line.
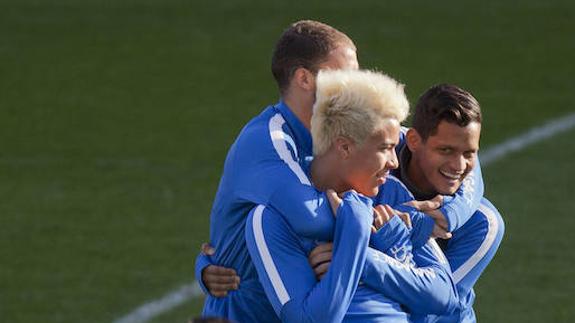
[(352, 104)]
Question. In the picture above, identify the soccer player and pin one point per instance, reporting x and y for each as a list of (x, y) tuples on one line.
[(440, 152), (355, 128), (264, 163)]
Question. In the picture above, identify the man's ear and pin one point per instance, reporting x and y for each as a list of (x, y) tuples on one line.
[(304, 79), (413, 139), (344, 147)]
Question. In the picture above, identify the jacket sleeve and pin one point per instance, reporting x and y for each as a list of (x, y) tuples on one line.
[(202, 261), (426, 288), (277, 180), (459, 208), (284, 271)]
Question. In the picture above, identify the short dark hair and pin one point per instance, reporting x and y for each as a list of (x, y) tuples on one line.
[(444, 102), (306, 44)]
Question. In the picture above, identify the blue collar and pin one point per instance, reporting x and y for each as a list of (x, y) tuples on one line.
[(301, 133)]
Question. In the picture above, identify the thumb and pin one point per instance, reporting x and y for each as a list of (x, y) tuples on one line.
[(207, 249)]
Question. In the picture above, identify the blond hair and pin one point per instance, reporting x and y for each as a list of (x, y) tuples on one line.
[(352, 104)]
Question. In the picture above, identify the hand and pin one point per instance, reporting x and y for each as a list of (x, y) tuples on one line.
[(402, 215), (334, 201), (441, 227), (428, 205), (218, 280), (439, 232), (380, 217), (320, 259)]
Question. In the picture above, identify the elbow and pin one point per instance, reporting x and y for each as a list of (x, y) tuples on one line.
[(441, 301), (439, 298)]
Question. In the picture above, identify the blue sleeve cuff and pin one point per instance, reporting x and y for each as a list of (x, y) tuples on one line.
[(422, 228), (451, 217), (202, 261), (388, 235)]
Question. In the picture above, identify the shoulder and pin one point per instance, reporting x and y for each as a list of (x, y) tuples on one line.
[(257, 128), (264, 226), (254, 142), (393, 192)]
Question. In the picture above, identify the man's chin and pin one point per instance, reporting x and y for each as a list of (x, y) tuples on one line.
[(448, 190), (371, 192)]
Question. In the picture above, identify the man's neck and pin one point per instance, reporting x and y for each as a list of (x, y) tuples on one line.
[(408, 172), (301, 106), (322, 173)]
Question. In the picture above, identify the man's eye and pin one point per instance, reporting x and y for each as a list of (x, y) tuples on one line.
[(387, 147)]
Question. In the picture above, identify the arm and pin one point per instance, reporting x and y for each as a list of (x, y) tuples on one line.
[(214, 280), (457, 209), (286, 275), (273, 177), (394, 193), (426, 289), (393, 239), (306, 210), (422, 225)]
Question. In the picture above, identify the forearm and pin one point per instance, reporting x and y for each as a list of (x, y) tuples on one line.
[(306, 209), (425, 289), (393, 239), (421, 225), (329, 299), (459, 208)]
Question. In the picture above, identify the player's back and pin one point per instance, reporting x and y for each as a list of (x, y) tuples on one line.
[(228, 216)]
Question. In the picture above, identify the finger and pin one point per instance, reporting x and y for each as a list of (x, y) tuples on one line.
[(413, 204), (439, 218), (390, 211), (424, 205), (334, 201), (219, 279), (382, 211), (207, 249), (320, 258), (218, 288), (378, 222), (406, 218), (218, 294), (217, 274), (377, 218), (439, 232), (373, 229), (438, 199), (321, 269), (219, 270), (444, 235), (324, 247)]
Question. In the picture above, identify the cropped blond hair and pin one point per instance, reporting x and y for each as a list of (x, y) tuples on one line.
[(352, 104)]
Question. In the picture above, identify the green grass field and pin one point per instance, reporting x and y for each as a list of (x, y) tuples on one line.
[(115, 117)]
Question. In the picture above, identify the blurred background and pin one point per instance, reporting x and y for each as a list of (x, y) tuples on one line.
[(115, 118)]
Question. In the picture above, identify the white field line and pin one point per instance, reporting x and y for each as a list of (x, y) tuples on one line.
[(156, 307), (177, 297), (528, 138)]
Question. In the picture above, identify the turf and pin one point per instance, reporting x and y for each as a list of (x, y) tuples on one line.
[(115, 117)]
